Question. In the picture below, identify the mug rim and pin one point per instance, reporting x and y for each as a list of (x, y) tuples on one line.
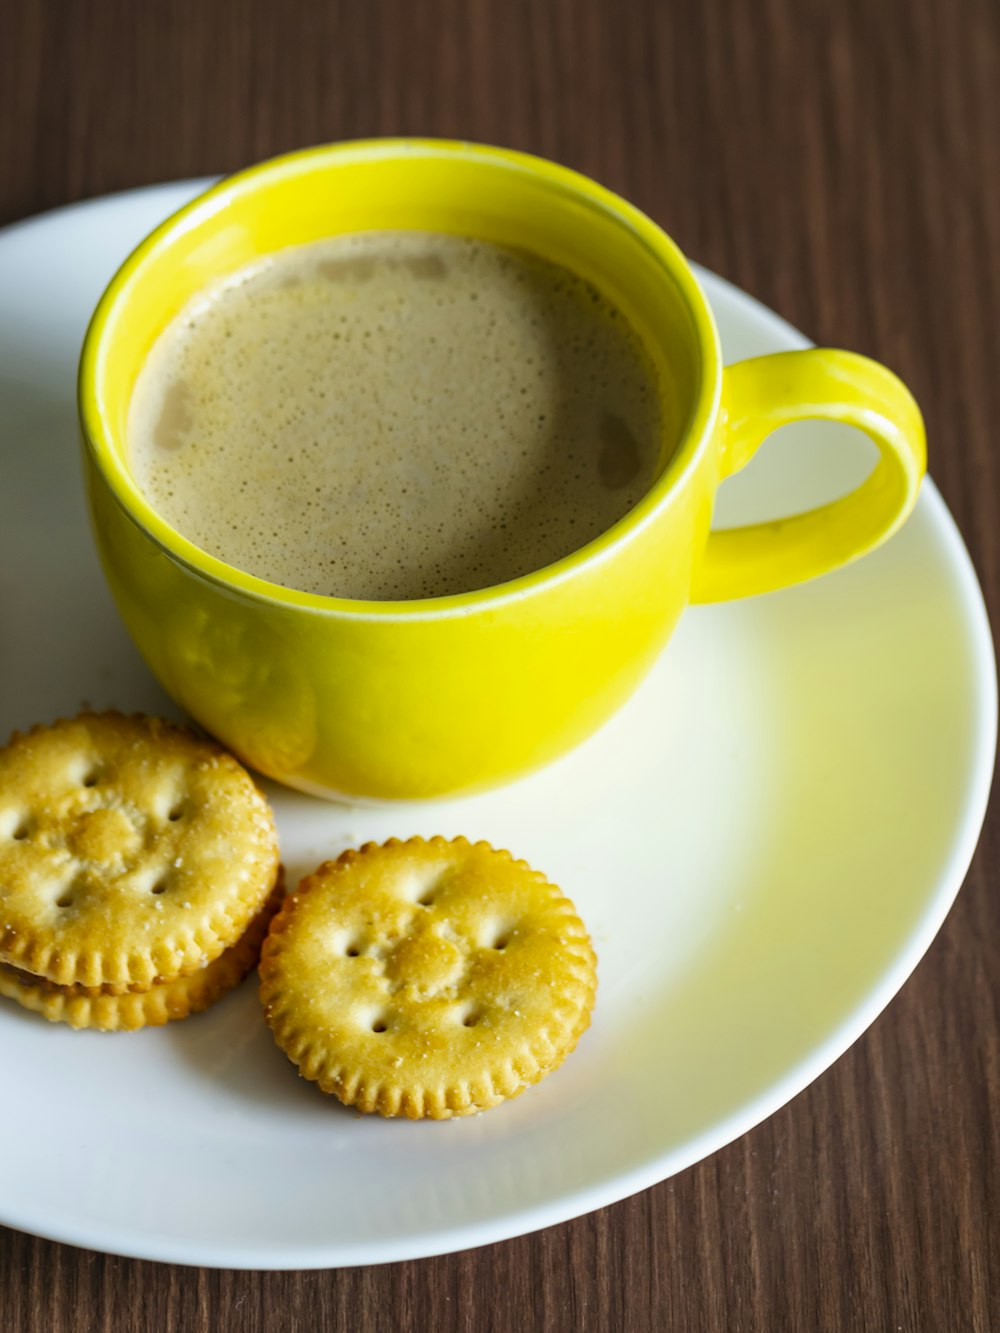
[(110, 463)]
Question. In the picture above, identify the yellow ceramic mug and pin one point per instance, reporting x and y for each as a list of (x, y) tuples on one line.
[(458, 693)]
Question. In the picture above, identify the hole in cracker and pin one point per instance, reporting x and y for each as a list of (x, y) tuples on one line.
[(65, 899), (471, 1017), (159, 887), (423, 886), (20, 830), (379, 1025), (175, 813), (90, 779), (501, 941), (353, 951)]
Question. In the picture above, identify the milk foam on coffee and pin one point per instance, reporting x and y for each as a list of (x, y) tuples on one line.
[(396, 415)]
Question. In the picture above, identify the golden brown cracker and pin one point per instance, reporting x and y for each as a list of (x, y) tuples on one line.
[(130, 850), (427, 978)]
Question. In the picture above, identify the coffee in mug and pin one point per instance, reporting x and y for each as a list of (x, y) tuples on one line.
[(396, 415)]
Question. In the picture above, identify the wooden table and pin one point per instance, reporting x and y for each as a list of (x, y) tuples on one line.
[(838, 159)]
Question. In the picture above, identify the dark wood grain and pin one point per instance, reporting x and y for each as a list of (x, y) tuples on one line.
[(839, 160)]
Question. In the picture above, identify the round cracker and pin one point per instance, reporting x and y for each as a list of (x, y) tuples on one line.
[(130, 850), (162, 1002), (427, 978)]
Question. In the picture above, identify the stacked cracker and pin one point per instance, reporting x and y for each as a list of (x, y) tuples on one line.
[(139, 871)]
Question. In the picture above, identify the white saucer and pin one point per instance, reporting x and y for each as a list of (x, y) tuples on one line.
[(763, 842)]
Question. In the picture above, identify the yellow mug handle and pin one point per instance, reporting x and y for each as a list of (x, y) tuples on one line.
[(766, 392)]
